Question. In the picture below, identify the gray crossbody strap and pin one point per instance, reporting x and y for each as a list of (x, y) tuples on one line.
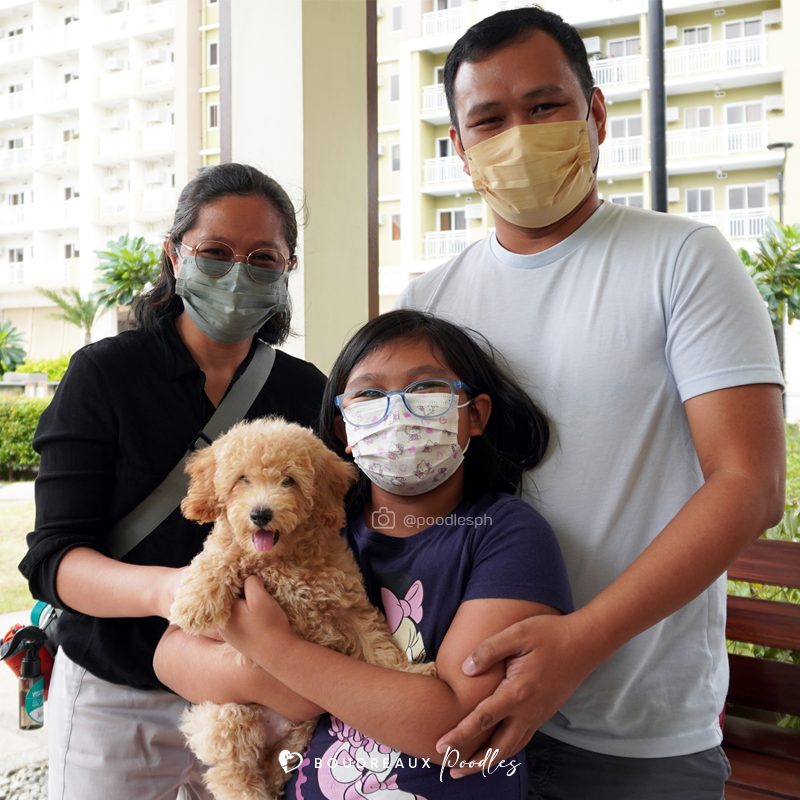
[(166, 497)]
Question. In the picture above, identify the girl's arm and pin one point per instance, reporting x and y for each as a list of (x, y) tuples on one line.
[(198, 669), (405, 711)]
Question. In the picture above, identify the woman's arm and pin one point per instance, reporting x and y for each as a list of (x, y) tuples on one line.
[(198, 669), (405, 711)]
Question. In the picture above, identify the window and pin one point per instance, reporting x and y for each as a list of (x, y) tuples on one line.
[(438, 75), (624, 127), (737, 113), (395, 227), (16, 268), (395, 158), (71, 192), (70, 76), (213, 54), (70, 134), (698, 35), (617, 48), (394, 88), (15, 255), (212, 2), (444, 5), (444, 148), (396, 21), (15, 32), (69, 20), (15, 144), (16, 87), (699, 200), (744, 197), (743, 28), (71, 251), (635, 200), (453, 220), (213, 116), (16, 199), (698, 117)]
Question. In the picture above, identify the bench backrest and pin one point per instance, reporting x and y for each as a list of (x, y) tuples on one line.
[(757, 682)]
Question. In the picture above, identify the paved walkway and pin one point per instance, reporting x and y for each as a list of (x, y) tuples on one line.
[(23, 490)]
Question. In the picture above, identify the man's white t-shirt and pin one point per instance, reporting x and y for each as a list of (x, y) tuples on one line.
[(611, 330)]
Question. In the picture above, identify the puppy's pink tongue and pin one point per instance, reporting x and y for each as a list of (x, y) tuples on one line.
[(264, 540)]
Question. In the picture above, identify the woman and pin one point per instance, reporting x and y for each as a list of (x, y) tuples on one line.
[(123, 416)]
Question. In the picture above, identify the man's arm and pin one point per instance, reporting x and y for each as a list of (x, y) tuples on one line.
[(739, 437)]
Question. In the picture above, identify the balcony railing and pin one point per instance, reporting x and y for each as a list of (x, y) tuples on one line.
[(115, 144), (59, 38), (149, 18), (117, 83), (16, 216), (35, 272), (622, 152), (16, 103), (162, 75), (748, 223), (62, 94), (445, 244), (715, 56), (19, 158), (115, 205), (58, 214), (433, 98), (16, 46), (60, 153), (721, 140), (158, 138), (444, 170), (441, 23), (158, 200), (617, 71)]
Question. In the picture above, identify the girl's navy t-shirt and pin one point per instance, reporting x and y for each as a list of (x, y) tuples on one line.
[(495, 547)]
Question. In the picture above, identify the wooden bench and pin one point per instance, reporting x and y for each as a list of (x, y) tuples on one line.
[(765, 759)]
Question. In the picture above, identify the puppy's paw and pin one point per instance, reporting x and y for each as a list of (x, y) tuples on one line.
[(422, 669), (194, 616)]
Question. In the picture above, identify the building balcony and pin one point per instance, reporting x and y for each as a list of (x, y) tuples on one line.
[(63, 154), (748, 223), (18, 158), (35, 273), (63, 37), (159, 76), (159, 16), (610, 72), (114, 84), (58, 97), (444, 176), (158, 201), (445, 244), (114, 144), (58, 214), (622, 152), (722, 140), (114, 205), (16, 218), (445, 23), (155, 139), (16, 104), (715, 56), (434, 105), (16, 47)]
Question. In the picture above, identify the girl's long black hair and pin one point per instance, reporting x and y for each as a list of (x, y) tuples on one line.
[(517, 433)]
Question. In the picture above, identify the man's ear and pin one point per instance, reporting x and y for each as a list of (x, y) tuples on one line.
[(480, 409), (600, 114), (459, 148)]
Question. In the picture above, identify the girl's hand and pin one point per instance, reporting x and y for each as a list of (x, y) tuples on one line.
[(256, 620), (167, 584)]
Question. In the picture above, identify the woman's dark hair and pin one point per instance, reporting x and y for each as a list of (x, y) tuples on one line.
[(489, 35), (211, 184), (516, 435)]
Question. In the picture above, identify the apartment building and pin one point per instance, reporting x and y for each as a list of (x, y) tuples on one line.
[(727, 68), (95, 138)]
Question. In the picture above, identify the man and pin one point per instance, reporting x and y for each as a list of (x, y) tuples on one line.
[(651, 351)]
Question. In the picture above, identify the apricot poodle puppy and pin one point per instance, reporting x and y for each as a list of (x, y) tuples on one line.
[(276, 494)]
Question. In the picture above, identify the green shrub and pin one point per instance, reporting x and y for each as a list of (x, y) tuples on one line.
[(18, 419), (54, 368)]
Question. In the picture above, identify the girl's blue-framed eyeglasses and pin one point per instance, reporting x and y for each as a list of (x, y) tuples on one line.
[(416, 398)]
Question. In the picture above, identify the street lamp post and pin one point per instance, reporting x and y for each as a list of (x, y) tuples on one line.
[(785, 146)]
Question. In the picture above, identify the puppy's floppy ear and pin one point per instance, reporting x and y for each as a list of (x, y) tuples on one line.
[(334, 477), (201, 502)]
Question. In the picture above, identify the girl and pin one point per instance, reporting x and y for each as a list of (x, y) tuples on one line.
[(446, 553)]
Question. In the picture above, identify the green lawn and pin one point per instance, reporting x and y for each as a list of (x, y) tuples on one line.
[(16, 519)]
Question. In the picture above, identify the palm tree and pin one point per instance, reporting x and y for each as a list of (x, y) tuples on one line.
[(11, 352), (775, 268), (76, 310), (127, 267)]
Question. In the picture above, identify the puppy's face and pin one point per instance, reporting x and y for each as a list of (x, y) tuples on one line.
[(274, 482)]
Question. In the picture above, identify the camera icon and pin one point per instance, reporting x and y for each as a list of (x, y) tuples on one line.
[(383, 518)]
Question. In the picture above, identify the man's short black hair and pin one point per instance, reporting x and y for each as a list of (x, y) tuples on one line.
[(491, 34)]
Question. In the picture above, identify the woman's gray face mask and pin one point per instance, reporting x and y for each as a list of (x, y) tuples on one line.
[(233, 307)]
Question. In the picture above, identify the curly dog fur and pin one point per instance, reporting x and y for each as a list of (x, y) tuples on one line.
[(276, 495)]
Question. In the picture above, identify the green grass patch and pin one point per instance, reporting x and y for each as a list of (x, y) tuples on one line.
[(16, 520)]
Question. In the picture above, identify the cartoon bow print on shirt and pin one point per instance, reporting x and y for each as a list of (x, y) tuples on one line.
[(372, 784), (409, 606)]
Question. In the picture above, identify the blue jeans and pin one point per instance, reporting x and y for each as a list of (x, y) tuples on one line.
[(559, 771)]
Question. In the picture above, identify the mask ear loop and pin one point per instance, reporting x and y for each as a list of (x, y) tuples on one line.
[(588, 112), (469, 442)]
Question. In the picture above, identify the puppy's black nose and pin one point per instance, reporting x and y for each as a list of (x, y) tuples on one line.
[(261, 517)]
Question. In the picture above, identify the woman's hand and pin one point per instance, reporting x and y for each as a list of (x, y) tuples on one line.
[(168, 582), (257, 620), (548, 659)]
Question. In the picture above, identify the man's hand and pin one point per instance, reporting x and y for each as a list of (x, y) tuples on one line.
[(547, 660)]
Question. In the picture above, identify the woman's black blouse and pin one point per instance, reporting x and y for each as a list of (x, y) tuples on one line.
[(123, 416)]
